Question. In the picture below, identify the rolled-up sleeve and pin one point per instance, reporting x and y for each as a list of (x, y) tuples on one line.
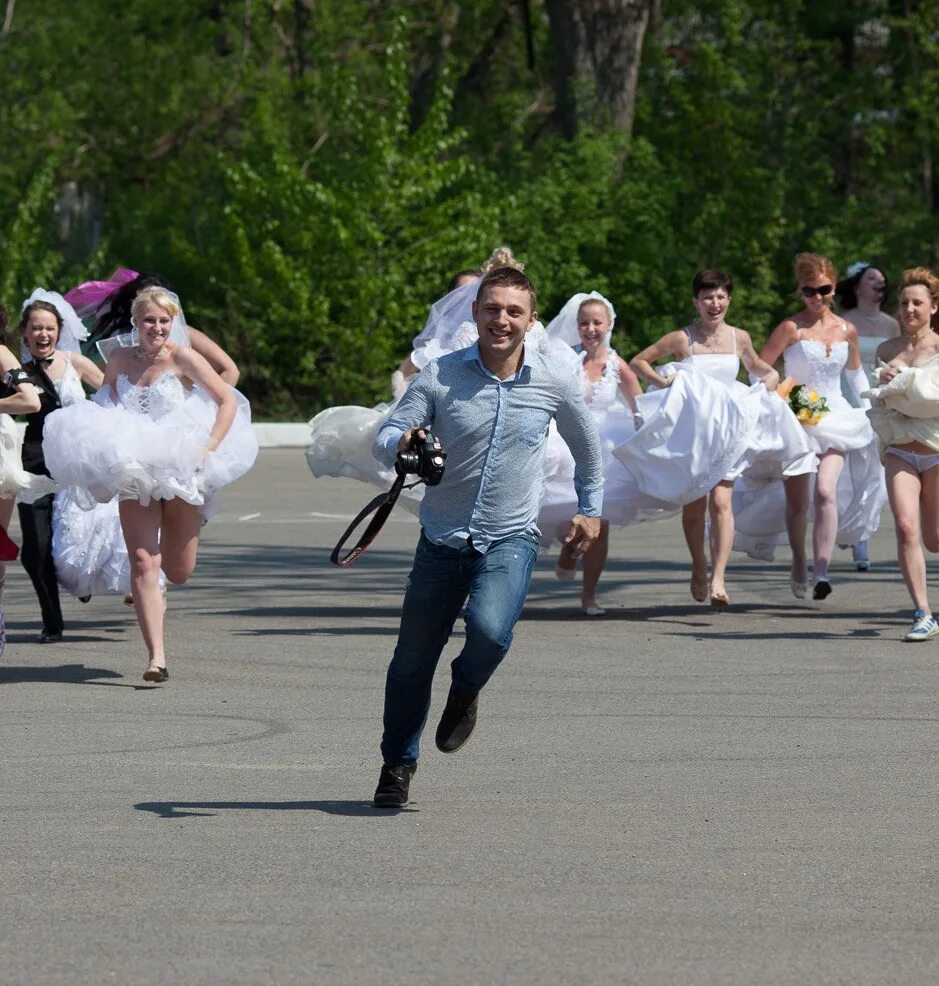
[(414, 410), (578, 428)]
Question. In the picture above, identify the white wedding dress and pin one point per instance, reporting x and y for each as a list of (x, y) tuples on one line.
[(87, 545), (341, 438), (708, 427), (147, 442), (862, 493), (623, 503)]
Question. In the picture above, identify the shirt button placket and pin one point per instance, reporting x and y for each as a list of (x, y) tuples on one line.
[(492, 445)]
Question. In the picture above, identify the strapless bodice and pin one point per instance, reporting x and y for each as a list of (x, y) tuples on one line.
[(165, 394), (812, 363)]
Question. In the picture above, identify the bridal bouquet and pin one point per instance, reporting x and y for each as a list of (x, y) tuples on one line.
[(807, 405)]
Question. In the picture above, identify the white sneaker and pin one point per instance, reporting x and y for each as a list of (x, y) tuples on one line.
[(924, 627)]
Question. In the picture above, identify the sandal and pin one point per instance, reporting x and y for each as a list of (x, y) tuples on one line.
[(156, 674)]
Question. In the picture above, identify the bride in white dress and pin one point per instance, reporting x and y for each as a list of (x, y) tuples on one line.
[(861, 295), (610, 391), (163, 436), (341, 437), (706, 430), (817, 346)]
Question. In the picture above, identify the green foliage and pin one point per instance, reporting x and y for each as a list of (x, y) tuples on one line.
[(309, 175)]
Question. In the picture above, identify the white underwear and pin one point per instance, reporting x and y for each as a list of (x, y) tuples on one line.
[(919, 462)]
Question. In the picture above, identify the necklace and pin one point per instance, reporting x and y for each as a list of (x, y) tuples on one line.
[(697, 328), (150, 357), (918, 337)]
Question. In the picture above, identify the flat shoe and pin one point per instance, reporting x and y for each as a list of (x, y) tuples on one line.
[(156, 674), (799, 589), (565, 574), (594, 610), (822, 589)]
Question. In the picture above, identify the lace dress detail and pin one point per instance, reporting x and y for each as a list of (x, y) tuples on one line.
[(603, 393), (88, 547), (147, 442), (69, 386)]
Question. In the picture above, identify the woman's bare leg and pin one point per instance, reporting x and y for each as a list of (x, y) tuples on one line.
[(905, 489), (722, 534), (141, 526), (594, 561), (693, 523), (797, 508), (179, 541), (825, 528), (6, 514)]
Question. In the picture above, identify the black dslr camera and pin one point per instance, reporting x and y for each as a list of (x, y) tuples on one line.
[(425, 459)]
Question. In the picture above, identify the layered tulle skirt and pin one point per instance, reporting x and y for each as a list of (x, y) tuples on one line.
[(14, 480), (102, 450)]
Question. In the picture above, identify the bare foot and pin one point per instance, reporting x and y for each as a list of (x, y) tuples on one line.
[(699, 586)]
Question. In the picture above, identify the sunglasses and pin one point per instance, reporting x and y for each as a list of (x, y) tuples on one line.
[(822, 289)]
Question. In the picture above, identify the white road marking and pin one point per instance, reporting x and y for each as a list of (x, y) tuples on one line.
[(249, 517)]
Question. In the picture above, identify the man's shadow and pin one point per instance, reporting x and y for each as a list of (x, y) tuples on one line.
[(69, 674), (207, 809)]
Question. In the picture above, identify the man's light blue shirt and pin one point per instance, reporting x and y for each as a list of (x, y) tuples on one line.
[(494, 433)]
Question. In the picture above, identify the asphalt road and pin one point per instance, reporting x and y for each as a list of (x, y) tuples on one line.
[(664, 795)]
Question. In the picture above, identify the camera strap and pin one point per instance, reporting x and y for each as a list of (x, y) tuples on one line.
[(383, 504)]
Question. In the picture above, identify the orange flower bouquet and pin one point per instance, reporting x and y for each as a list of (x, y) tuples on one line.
[(807, 405)]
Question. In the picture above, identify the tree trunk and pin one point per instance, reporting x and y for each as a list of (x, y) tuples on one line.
[(430, 62), (597, 46)]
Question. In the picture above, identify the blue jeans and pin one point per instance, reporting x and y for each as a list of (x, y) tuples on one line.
[(493, 586)]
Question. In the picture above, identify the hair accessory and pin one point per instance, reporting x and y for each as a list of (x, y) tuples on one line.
[(72, 332), (564, 325), (857, 268), (179, 334)]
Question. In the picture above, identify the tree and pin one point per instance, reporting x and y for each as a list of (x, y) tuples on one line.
[(597, 49)]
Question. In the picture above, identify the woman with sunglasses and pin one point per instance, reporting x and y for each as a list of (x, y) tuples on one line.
[(817, 346), (861, 295), (905, 415)]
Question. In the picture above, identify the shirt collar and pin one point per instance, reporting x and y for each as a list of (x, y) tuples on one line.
[(472, 355)]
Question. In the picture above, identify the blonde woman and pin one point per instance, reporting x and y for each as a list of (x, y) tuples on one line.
[(163, 435), (905, 415)]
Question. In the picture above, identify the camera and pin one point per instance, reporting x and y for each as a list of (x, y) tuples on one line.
[(425, 458)]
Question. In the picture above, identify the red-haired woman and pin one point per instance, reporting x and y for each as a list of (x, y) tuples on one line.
[(817, 346)]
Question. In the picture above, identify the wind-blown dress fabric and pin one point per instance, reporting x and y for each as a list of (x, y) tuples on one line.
[(15, 481), (708, 427), (147, 443), (622, 500), (906, 409), (88, 547), (341, 438), (760, 512)]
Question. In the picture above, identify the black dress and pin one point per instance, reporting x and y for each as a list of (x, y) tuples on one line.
[(36, 518)]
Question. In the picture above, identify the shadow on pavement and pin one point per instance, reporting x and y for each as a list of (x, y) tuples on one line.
[(69, 674), (195, 809)]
